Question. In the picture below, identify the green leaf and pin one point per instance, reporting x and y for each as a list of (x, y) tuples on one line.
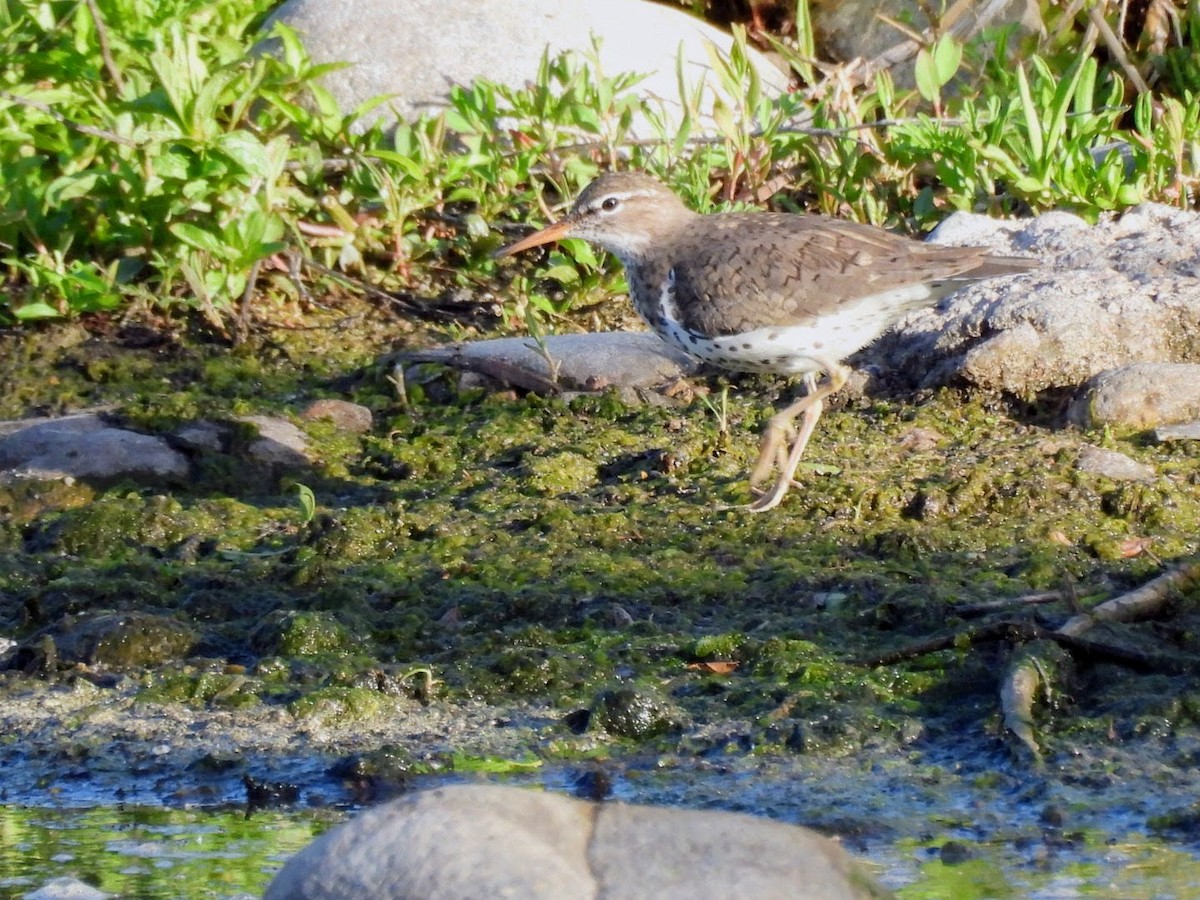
[(70, 187), (1033, 124), (195, 236), (39, 309), (925, 73), (947, 57), (564, 273), (171, 166), (307, 502), (936, 65), (246, 150)]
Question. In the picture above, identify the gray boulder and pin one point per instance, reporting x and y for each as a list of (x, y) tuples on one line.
[(1140, 395), (84, 446), (1123, 291), (418, 50), (487, 841)]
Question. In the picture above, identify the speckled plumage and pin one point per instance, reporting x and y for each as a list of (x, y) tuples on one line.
[(765, 292)]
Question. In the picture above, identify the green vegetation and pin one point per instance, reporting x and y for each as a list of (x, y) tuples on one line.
[(153, 160), (174, 166), (478, 549)]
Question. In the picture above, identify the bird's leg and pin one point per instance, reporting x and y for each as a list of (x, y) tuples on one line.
[(781, 425), (788, 462), (779, 435)]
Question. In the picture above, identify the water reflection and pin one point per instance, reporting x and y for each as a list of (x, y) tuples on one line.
[(151, 853)]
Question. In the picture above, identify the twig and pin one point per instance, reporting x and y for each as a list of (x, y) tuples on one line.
[(807, 131), (105, 48), (979, 609), (401, 385), (1010, 631), (1113, 43), (243, 321), (368, 289), (53, 113), (1148, 600)]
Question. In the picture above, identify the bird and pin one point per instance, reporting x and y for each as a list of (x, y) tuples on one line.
[(767, 292)]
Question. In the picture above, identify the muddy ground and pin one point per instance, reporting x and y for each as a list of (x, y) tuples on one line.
[(495, 584)]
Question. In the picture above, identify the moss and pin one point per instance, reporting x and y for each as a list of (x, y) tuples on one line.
[(560, 473), (538, 550), (127, 641), (22, 502), (340, 706), (295, 633), (229, 691)]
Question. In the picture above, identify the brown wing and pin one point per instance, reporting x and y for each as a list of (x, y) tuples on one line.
[(753, 270)]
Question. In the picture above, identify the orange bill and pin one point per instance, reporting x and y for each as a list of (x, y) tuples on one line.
[(550, 233)]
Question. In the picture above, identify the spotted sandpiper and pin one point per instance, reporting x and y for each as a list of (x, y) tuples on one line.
[(766, 292)]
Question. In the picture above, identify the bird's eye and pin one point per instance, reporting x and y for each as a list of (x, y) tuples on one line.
[(609, 204)]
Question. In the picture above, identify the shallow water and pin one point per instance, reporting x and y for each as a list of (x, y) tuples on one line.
[(900, 829), (149, 852)]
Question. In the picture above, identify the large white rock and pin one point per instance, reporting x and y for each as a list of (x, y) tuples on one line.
[(418, 49), (487, 841)]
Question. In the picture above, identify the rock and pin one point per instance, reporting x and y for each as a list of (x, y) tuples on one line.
[(1113, 465), (1120, 292), (281, 444), (66, 888), (352, 417), (202, 436), (955, 853), (125, 640), (416, 51), (290, 632), (84, 446), (1140, 395), (1188, 431), (486, 841), (624, 359), (854, 29), (633, 713)]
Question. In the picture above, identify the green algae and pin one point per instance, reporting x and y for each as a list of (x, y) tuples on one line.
[(224, 690), (1137, 868), (295, 633), (527, 547), (336, 705)]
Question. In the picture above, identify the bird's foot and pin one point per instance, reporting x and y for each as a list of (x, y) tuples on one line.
[(772, 498), (772, 453), (772, 456)]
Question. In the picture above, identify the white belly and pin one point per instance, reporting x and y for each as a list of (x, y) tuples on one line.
[(795, 349)]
